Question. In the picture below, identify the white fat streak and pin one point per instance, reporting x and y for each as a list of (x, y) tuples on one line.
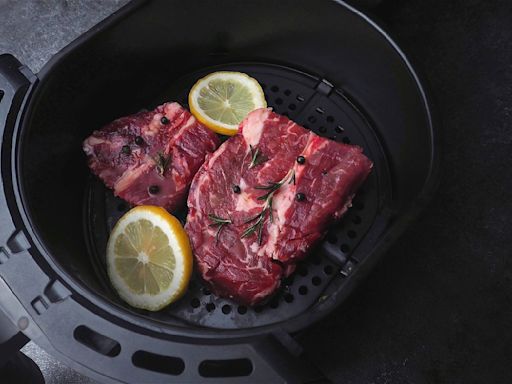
[(244, 202), (131, 174), (204, 176), (154, 126), (93, 140), (190, 122), (283, 201), (253, 126)]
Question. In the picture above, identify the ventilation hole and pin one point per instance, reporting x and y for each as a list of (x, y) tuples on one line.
[(274, 303), (288, 280), (316, 260), (316, 281), (319, 110), (312, 119), (356, 220), (322, 129), (300, 98), (352, 234), (328, 269), (359, 205), (242, 309), (279, 101), (195, 303), (226, 309), (258, 308), (303, 290), (122, 207), (210, 307), (344, 248), (339, 129), (225, 368), (346, 140), (274, 88), (303, 271), (169, 365), (287, 92), (292, 107), (330, 119), (288, 297), (206, 291), (96, 341), (332, 238)]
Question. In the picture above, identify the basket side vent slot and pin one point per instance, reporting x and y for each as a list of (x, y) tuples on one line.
[(96, 341), (225, 368), (169, 365)]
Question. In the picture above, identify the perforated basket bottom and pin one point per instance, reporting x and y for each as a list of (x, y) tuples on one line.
[(315, 104)]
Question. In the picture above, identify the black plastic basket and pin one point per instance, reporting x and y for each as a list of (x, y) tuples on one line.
[(324, 64)]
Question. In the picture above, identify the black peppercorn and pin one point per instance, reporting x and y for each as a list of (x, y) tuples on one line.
[(164, 120), (300, 196), (236, 189), (301, 159), (139, 140), (154, 189), (126, 149)]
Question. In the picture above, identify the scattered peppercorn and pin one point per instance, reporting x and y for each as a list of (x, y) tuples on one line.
[(300, 196), (236, 189), (164, 120), (301, 159), (126, 149), (139, 140), (154, 189)]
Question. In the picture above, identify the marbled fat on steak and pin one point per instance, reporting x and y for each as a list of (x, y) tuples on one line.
[(256, 207), (150, 157)]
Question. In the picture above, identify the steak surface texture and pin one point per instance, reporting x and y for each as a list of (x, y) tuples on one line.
[(150, 157), (264, 199)]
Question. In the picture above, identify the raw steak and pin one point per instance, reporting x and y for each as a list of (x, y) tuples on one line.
[(263, 199), (150, 157)]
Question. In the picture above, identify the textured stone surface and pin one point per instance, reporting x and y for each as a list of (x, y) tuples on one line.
[(34, 30)]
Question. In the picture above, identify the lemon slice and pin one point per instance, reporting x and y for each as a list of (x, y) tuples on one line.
[(149, 259), (221, 100)]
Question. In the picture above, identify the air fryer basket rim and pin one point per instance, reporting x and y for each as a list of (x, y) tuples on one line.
[(54, 287), (291, 325)]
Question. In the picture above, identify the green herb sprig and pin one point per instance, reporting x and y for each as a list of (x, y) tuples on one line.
[(162, 163), (220, 223), (259, 219)]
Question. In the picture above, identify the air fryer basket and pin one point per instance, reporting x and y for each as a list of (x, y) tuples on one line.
[(316, 104), (323, 64)]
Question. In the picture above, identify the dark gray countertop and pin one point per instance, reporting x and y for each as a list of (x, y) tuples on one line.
[(438, 309)]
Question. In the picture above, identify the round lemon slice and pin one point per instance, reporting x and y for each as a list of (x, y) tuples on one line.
[(221, 100), (149, 258)]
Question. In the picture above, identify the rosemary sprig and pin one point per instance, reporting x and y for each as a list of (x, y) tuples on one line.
[(218, 222), (256, 157), (162, 163), (257, 226)]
